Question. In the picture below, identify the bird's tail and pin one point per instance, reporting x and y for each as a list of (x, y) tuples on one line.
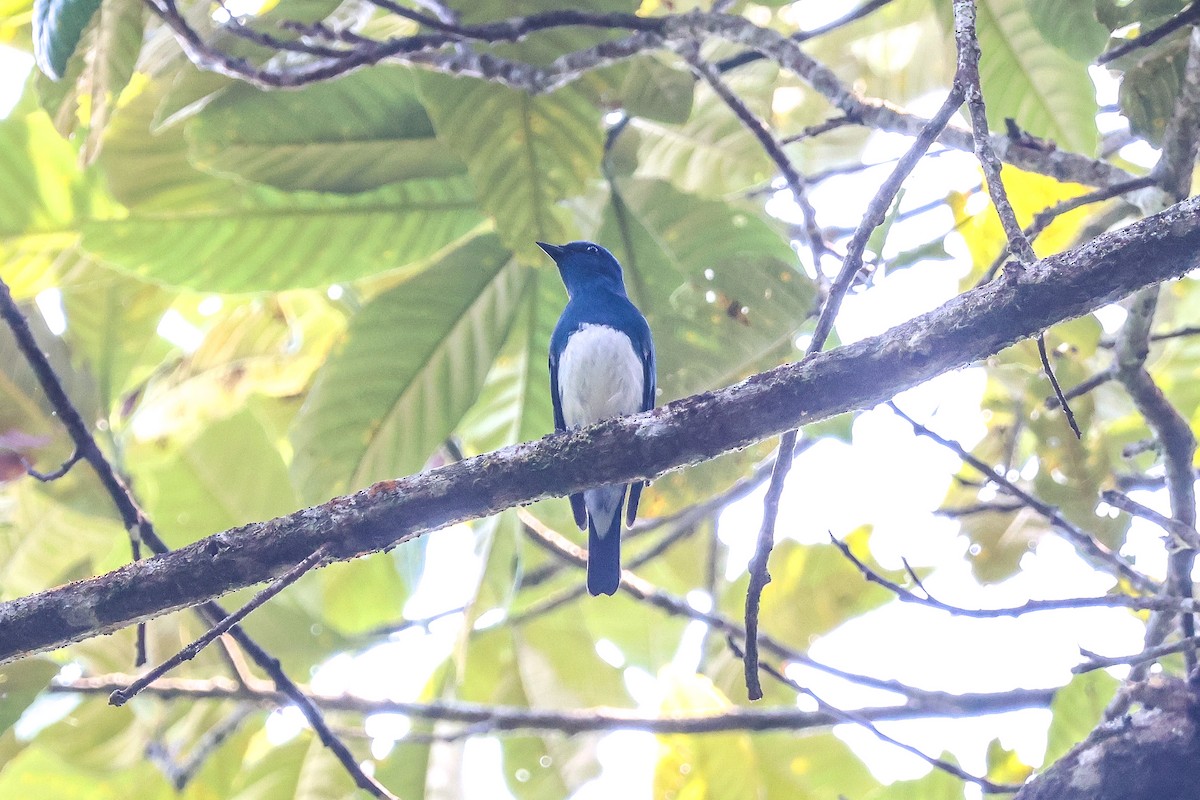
[(604, 538)]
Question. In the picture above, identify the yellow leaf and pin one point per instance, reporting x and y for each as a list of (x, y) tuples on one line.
[(1029, 194)]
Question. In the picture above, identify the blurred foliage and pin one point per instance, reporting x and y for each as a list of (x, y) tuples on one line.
[(269, 298)]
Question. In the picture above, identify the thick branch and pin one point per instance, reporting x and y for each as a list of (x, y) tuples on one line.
[(969, 327)]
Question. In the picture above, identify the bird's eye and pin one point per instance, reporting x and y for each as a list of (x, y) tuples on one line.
[(591, 248)]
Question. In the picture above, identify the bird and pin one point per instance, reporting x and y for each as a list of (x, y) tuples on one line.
[(601, 366)]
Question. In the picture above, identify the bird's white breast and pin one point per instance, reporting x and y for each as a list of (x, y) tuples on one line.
[(599, 376)]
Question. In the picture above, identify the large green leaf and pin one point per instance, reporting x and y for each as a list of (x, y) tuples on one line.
[(1077, 708), (718, 765), (118, 40), (278, 240), (20, 683), (356, 133), (525, 154), (719, 285), (42, 193), (1028, 79), (112, 324), (254, 346), (34, 551), (57, 28), (414, 360), (1071, 26), (229, 475), (1151, 85), (712, 153), (654, 90)]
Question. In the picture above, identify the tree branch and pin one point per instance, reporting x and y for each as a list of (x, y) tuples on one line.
[(971, 326), (493, 719)]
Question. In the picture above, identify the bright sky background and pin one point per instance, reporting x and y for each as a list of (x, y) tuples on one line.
[(889, 478)]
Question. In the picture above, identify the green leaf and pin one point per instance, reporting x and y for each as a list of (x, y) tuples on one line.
[(268, 346), (1077, 708), (818, 768), (525, 154), (1151, 86), (118, 41), (937, 785), (1070, 25), (277, 240), (42, 193), (112, 327), (1028, 79), (819, 580), (20, 684), (657, 91), (711, 154), (717, 765), (145, 162), (414, 360), (57, 28), (229, 475), (719, 286), (32, 555), (386, 578), (349, 135)]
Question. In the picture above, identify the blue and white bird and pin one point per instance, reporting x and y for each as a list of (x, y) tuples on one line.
[(601, 366)]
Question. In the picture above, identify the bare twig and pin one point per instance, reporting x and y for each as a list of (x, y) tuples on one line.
[(854, 718), (759, 574), (492, 719), (906, 595), (1184, 534), (646, 592), (1099, 379), (1058, 392), (181, 773), (969, 327), (63, 469), (120, 698), (774, 150), (1185, 17), (1148, 656), (1087, 543), (142, 530)]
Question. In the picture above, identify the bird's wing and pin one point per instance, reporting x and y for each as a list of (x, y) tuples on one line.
[(578, 509), (649, 387), (555, 395)]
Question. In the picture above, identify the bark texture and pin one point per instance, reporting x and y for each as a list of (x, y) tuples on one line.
[(979, 323)]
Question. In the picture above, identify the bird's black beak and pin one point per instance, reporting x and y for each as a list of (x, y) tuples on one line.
[(555, 251)]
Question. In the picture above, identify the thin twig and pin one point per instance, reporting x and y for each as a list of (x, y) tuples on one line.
[(803, 36), (489, 719), (47, 477), (854, 718), (1079, 390), (1058, 392), (760, 576), (906, 595), (1080, 537), (773, 149), (1184, 534), (643, 590), (141, 530), (123, 696), (1184, 17), (1149, 655)]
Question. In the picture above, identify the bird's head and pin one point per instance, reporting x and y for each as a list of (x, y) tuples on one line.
[(586, 264)]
